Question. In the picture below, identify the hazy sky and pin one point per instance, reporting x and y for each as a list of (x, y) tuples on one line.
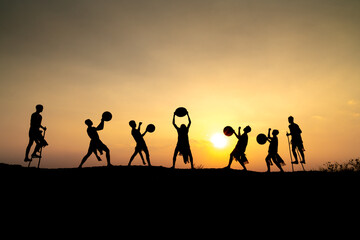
[(229, 62)]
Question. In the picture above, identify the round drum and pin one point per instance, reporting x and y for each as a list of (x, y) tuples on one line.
[(261, 138), (228, 131), (181, 111), (107, 116), (150, 128)]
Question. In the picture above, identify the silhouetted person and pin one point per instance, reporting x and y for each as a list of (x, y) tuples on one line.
[(273, 151), (239, 151), (95, 143), (183, 145), (296, 140), (35, 134), (140, 143)]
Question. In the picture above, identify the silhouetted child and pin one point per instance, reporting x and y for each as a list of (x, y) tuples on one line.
[(273, 151), (95, 143), (183, 145), (296, 140), (140, 143), (35, 134), (239, 151)]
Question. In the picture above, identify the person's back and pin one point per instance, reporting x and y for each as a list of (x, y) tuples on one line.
[(296, 140), (35, 121), (295, 132)]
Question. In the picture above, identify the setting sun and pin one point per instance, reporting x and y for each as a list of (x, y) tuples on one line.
[(219, 140)]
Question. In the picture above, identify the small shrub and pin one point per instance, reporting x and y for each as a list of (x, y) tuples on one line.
[(353, 165)]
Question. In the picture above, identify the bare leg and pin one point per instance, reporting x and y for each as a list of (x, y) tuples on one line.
[(31, 141), (242, 161), (174, 157), (277, 163), (267, 160), (132, 157), (36, 149), (107, 151), (85, 158), (142, 157), (147, 156), (295, 154), (191, 160), (243, 165), (97, 156), (230, 160)]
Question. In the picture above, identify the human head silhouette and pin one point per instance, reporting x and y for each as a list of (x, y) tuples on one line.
[(291, 119), (132, 124), (247, 129), (275, 132), (88, 122), (39, 108), (183, 127)]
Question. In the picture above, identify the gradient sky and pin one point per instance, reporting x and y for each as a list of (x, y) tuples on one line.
[(229, 62)]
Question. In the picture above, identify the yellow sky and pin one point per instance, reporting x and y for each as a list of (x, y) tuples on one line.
[(228, 62)]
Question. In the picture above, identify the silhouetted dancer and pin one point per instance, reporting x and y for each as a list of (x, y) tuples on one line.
[(273, 151), (239, 151), (140, 143), (296, 140), (35, 134), (183, 145), (95, 143)]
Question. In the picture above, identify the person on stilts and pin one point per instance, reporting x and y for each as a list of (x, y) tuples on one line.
[(35, 134), (296, 141)]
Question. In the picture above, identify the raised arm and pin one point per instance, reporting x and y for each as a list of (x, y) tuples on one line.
[(188, 120), (173, 122), (239, 134), (101, 125), (140, 123), (269, 137)]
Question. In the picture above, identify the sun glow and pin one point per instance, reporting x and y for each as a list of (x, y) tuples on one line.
[(219, 140)]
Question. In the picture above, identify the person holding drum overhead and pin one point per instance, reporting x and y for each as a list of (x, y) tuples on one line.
[(183, 145), (273, 151), (95, 143), (140, 142), (239, 151)]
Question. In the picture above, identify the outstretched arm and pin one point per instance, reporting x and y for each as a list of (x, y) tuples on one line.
[(144, 133)]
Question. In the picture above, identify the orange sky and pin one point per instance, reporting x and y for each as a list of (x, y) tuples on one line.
[(228, 62)]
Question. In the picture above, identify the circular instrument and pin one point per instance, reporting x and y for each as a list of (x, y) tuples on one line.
[(228, 131), (181, 111), (107, 116), (150, 128), (261, 138)]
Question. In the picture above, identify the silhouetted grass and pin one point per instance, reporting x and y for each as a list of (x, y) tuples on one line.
[(352, 165)]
